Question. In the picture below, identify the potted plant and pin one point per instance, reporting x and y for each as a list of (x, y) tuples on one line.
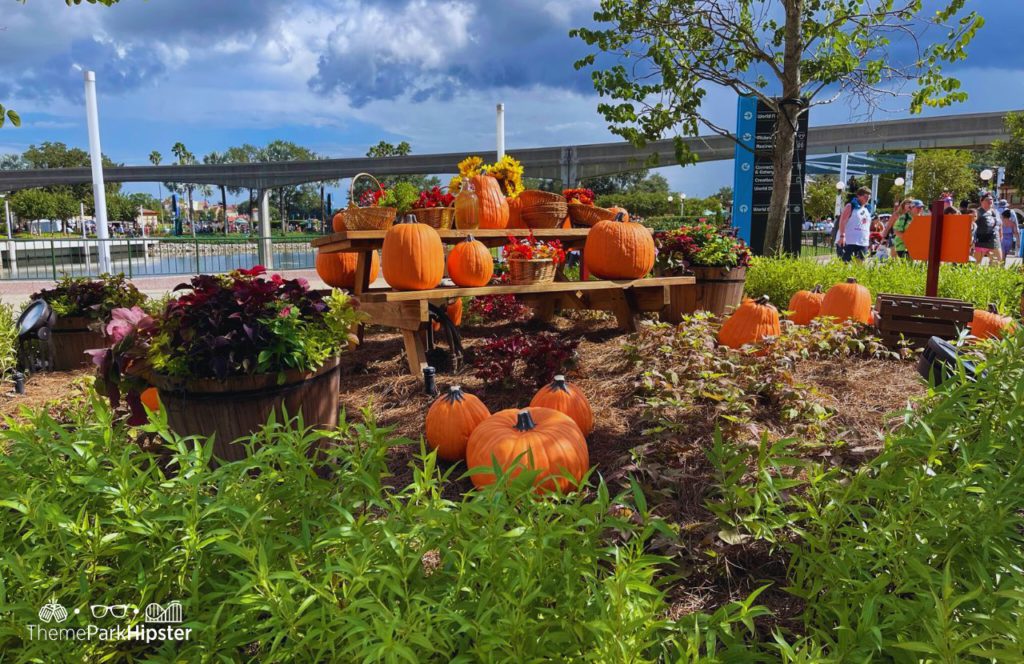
[(435, 207), (533, 261), (83, 307), (583, 212), (718, 261), (227, 352)]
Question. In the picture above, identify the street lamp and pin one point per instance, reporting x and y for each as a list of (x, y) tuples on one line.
[(900, 182), (682, 197)]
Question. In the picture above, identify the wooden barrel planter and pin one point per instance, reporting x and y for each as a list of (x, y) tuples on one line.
[(237, 407), (718, 290), (71, 338)]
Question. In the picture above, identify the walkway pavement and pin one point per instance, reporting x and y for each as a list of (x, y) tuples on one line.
[(17, 293)]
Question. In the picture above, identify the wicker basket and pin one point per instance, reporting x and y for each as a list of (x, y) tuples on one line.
[(534, 271), (441, 218), (531, 197), (588, 215), (544, 215), (367, 218)]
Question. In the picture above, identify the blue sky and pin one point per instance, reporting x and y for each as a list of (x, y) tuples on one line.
[(340, 75)]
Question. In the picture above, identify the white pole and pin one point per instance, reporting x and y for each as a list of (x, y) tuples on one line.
[(501, 130), (12, 248), (1000, 176), (99, 194), (908, 185), (85, 239), (874, 190), (7, 218), (844, 166)]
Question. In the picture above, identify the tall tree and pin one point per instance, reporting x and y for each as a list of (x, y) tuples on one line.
[(789, 54), (185, 158), (820, 197), (936, 170), (1010, 154)]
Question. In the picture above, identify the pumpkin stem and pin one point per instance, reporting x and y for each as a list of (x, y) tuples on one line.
[(454, 394), (851, 280), (407, 219), (470, 238), (620, 216), (763, 300), (559, 383), (816, 289), (525, 422), (992, 308)]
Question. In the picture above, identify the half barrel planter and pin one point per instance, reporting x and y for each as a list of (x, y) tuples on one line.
[(235, 408), (72, 336), (718, 290)]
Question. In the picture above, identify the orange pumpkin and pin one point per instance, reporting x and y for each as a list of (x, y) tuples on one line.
[(454, 311), (338, 270), (493, 204), (988, 324), (618, 211), (566, 398), (540, 439), (413, 256), (338, 222), (618, 249), (150, 398), (470, 263), (752, 321), (849, 301), (450, 421), (515, 209), (805, 305)]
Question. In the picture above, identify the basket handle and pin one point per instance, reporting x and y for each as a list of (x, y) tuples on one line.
[(352, 186)]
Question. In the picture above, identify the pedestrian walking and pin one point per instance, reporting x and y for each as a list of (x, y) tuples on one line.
[(855, 227), (987, 231), (1011, 232)]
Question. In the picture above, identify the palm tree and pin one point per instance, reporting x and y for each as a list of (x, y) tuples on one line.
[(184, 158), (155, 158)]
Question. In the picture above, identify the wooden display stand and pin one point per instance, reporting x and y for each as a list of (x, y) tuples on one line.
[(408, 310), (915, 320)]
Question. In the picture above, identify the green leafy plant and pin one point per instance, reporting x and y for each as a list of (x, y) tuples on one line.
[(401, 195), (91, 298), (8, 340)]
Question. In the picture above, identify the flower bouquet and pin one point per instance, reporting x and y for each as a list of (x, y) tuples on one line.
[(508, 171), (435, 207), (533, 261), (698, 245)]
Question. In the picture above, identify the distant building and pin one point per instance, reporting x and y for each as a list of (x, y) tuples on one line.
[(147, 217)]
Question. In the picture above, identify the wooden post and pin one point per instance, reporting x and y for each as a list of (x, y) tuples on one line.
[(931, 288)]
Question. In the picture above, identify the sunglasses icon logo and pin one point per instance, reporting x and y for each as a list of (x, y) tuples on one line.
[(113, 610)]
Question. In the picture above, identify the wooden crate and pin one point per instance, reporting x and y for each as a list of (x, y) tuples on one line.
[(917, 319)]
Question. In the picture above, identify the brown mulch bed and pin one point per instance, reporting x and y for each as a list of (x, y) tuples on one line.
[(41, 389)]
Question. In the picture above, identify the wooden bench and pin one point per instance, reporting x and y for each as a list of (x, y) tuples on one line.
[(408, 311)]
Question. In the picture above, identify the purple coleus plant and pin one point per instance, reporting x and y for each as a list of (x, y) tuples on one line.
[(120, 367)]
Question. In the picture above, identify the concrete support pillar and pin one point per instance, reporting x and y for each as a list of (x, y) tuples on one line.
[(266, 248), (12, 250), (874, 192), (844, 175), (909, 177), (569, 167)]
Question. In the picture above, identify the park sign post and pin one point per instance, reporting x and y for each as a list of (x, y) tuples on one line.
[(754, 175)]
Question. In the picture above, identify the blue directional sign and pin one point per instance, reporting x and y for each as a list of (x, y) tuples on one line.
[(743, 178)]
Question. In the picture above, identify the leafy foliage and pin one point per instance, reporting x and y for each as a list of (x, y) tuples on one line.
[(91, 298), (8, 339), (820, 197), (523, 358), (935, 170), (1010, 153), (699, 245)]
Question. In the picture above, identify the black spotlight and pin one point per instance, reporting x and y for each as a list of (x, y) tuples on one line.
[(939, 362), (35, 337)]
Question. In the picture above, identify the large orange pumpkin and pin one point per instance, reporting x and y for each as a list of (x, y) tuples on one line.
[(849, 301), (493, 205), (338, 222), (988, 324), (752, 321), (450, 421), (413, 256), (470, 263), (805, 305), (515, 209), (540, 439), (339, 269), (618, 249), (566, 398)]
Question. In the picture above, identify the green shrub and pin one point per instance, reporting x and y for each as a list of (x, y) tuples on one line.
[(779, 278), (8, 340)]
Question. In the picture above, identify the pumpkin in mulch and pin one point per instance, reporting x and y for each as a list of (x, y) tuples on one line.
[(412, 256), (566, 398), (540, 439), (338, 222), (988, 324), (338, 270), (848, 301), (805, 305), (450, 421), (470, 263), (619, 249), (752, 321)]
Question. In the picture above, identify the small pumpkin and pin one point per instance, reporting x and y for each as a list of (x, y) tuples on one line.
[(450, 421), (566, 398), (493, 204), (619, 249), (150, 398), (338, 270), (618, 210), (751, 322), (988, 324), (454, 311), (338, 222), (805, 305), (413, 256), (848, 301), (533, 438), (470, 263)]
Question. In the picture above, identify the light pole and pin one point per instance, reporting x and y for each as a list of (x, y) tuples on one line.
[(682, 197), (899, 182), (986, 177), (840, 186)]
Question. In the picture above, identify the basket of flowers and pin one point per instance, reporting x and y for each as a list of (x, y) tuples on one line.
[(371, 213), (435, 207), (582, 211), (532, 261)]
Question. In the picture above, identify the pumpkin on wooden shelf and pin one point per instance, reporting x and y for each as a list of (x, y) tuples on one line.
[(566, 398), (618, 210), (450, 421), (150, 398), (515, 211), (454, 312), (847, 301), (338, 222), (752, 321), (338, 270), (412, 256), (805, 305), (470, 263), (988, 324), (493, 204), (541, 439), (619, 249)]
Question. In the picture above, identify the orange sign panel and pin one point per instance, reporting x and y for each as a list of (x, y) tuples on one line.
[(956, 237)]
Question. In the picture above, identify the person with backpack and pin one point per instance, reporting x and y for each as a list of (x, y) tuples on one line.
[(988, 231), (855, 227)]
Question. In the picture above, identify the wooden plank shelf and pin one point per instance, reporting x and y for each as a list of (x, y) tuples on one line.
[(388, 295), (492, 237)]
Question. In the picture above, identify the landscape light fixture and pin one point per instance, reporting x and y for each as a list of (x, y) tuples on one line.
[(986, 174), (900, 182)]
